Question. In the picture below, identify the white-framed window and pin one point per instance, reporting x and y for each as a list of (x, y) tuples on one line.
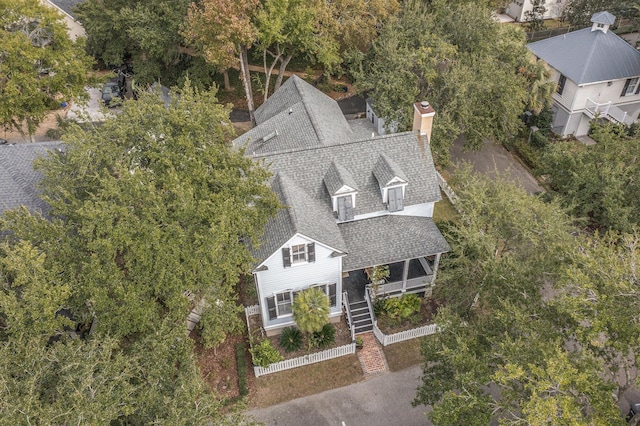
[(283, 303), (561, 82), (630, 87), (299, 253), (330, 290)]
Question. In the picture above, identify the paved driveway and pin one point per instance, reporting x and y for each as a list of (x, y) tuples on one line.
[(494, 157), (379, 401)]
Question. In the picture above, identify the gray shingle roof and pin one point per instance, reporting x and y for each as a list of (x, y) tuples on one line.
[(337, 177), (303, 215), (18, 179), (303, 117), (309, 166), (388, 239), (587, 56)]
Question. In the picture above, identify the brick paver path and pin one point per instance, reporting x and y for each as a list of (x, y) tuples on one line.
[(371, 356)]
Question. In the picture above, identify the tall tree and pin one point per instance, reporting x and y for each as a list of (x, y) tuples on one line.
[(462, 61), (579, 12), (599, 182), (527, 334), (222, 31), (39, 65)]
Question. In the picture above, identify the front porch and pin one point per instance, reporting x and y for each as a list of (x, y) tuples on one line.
[(408, 276)]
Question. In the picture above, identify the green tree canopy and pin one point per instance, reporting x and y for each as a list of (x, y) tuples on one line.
[(600, 182), (40, 66), (145, 208), (531, 333), (456, 56)]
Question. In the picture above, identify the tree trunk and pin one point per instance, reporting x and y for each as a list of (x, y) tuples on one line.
[(269, 71), (283, 67), (246, 81), (227, 84)]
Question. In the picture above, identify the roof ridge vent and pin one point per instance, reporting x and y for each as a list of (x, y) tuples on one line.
[(269, 136)]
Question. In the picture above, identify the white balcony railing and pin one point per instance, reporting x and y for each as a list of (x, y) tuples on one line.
[(608, 111)]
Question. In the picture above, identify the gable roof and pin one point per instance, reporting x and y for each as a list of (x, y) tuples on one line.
[(18, 179), (302, 215), (603, 18), (337, 177), (301, 115), (587, 56)]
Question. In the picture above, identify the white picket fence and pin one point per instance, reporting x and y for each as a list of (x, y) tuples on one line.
[(388, 339), (306, 360)]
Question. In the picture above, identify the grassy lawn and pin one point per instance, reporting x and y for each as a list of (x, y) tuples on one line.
[(403, 355), (444, 211), (287, 385)]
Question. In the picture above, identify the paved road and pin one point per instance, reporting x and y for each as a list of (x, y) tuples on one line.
[(494, 157), (379, 401)]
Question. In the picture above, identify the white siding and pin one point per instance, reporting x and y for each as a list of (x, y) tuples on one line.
[(325, 269), (517, 9)]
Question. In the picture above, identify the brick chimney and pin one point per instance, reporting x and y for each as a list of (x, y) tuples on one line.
[(423, 114)]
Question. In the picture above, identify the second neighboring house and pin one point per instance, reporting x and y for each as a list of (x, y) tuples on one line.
[(65, 7), (518, 9), (354, 199), (597, 74)]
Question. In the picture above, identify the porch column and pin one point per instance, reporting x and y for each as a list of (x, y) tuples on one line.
[(436, 262), (405, 274)]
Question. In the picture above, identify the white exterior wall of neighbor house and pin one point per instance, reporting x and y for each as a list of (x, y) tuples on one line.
[(75, 29), (298, 276), (517, 9)]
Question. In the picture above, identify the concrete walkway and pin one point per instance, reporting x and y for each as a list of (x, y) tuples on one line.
[(382, 400)]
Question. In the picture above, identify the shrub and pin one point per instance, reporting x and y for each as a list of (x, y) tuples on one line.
[(401, 308), (539, 139), (242, 369), (310, 309), (264, 354), (291, 339), (323, 338)]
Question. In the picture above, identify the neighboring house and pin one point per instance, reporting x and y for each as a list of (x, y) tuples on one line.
[(353, 200), (598, 74), (519, 8), (18, 179), (65, 7)]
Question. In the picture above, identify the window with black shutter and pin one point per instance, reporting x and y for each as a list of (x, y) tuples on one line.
[(630, 86), (332, 295), (395, 199), (286, 257), (271, 307), (311, 252), (561, 82)]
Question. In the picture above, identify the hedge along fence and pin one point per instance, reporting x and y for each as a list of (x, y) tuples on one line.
[(288, 364)]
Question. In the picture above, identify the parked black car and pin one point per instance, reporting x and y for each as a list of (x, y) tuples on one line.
[(111, 94)]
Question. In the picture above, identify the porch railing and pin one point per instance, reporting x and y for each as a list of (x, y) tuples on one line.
[(608, 111), (345, 305)]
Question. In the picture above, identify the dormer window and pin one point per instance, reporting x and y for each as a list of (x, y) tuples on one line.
[(393, 183), (342, 188), (345, 207), (396, 199)]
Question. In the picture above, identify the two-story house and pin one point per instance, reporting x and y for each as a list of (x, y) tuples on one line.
[(597, 74), (518, 9), (353, 200)]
